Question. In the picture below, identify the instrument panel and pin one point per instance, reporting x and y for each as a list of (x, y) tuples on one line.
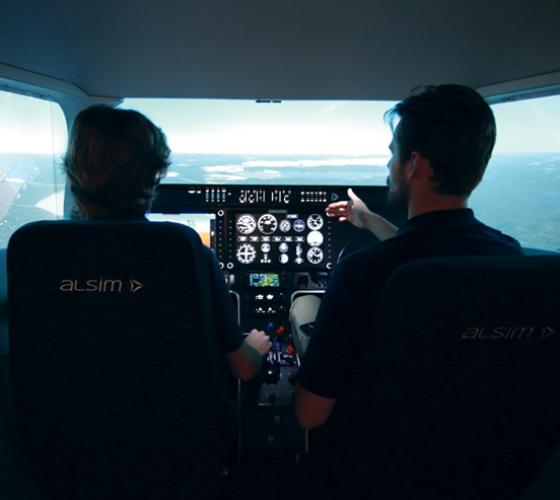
[(279, 238)]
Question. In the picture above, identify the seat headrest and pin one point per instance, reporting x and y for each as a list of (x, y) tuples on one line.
[(506, 297)]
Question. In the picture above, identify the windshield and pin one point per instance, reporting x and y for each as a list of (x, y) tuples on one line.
[(224, 141)]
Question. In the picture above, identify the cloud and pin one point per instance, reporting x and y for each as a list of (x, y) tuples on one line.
[(223, 178), (228, 169), (375, 161), (267, 174)]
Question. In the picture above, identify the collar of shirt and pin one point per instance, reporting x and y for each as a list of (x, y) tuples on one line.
[(440, 219)]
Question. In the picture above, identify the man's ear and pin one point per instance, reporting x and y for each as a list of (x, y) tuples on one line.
[(419, 166), (412, 166)]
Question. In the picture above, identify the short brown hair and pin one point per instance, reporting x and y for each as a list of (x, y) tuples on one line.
[(454, 128), (114, 160)]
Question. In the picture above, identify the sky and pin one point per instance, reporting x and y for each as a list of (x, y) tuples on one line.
[(31, 125), (347, 128), (354, 128), (289, 127), (529, 126)]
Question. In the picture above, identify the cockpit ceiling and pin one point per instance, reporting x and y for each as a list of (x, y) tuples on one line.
[(299, 49)]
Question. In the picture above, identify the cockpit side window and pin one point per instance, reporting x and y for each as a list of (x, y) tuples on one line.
[(33, 136), (520, 191)]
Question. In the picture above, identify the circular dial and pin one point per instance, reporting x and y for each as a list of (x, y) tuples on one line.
[(246, 253), (299, 226), (246, 224), (314, 222), (315, 255), (315, 238), (285, 225), (267, 224)]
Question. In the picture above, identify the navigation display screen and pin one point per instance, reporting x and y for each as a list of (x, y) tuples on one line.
[(259, 280), (203, 224)]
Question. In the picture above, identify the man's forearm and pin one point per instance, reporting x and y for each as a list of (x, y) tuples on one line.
[(381, 227), (254, 355), (311, 409)]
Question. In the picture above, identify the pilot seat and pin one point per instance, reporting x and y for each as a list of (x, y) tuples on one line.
[(119, 389)]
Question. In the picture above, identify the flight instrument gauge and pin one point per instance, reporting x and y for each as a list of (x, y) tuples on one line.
[(246, 224), (285, 225), (315, 239), (315, 255), (267, 224), (299, 226), (246, 253), (314, 222)]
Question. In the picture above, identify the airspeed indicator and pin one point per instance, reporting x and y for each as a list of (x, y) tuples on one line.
[(246, 224)]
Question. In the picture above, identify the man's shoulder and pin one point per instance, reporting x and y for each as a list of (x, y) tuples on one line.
[(373, 258), (507, 242)]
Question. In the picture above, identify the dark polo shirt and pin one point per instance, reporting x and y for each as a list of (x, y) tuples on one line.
[(228, 334), (227, 328), (347, 312)]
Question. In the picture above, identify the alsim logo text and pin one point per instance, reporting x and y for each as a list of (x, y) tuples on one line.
[(99, 285), (508, 333)]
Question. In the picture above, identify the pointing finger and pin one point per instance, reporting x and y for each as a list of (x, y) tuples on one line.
[(337, 205)]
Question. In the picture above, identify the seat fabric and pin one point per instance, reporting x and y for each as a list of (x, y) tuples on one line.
[(457, 395), (118, 387)]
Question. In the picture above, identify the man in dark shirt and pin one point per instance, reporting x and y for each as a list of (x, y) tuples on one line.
[(440, 149)]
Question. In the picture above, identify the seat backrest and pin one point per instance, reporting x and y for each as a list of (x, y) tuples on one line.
[(459, 392), (117, 383)]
